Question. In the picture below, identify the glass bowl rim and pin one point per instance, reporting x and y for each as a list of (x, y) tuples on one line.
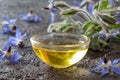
[(68, 45)]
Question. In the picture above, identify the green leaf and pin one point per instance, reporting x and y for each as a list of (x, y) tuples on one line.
[(61, 4), (96, 6), (69, 12), (103, 4), (115, 26), (107, 19), (102, 41), (93, 29), (87, 25)]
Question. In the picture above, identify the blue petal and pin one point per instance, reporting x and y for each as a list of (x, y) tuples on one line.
[(90, 8), (116, 61), (98, 68), (101, 61), (52, 13), (14, 58), (112, 2), (52, 18), (7, 44), (6, 19), (104, 72), (12, 41), (23, 36), (24, 16), (116, 69), (101, 35), (18, 33), (12, 21), (118, 20), (1, 54), (6, 28), (34, 19), (2, 58), (76, 2)]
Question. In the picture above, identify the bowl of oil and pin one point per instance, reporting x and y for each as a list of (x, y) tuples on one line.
[(60, 50)]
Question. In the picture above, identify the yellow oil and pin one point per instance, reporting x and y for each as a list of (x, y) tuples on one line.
[(58, 58)]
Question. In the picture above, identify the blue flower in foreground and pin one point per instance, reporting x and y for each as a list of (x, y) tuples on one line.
[(106, 67), (18, 40), (8, 26), (30, 17), (7, 54), (52, 9)]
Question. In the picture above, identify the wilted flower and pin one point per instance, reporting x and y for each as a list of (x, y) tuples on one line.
[(8, 26), (52, 9), (7, 54), (106, 67), (18, 40), (30, 17)]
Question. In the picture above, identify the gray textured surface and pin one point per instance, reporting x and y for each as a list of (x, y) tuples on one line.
[(31, 67)]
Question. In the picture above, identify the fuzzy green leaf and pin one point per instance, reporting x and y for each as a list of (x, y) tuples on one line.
[(108, 19), (69, 12), (87, 25), (60, 4), (115, 26), (103, 4)]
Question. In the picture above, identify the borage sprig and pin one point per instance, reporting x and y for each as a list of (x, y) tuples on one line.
[(97, 18)]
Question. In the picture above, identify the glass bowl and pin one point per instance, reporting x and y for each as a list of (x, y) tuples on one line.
[(60, 50)]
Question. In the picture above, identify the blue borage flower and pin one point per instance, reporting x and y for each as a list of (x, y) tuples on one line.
[(101, 35), (6, 53), (76, 2), (112, 2), (106, 67), (8, 26), (117, 14), (18, 40), (52, 9), (87, 5), (30, 17)]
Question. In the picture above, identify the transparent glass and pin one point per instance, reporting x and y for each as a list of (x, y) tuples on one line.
[(60, 50)]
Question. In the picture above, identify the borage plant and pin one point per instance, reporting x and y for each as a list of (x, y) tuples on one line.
[(98, 20)]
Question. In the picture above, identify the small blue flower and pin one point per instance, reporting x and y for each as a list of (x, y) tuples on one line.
[(87, 5), (76, 2), (117, 15), (7, 54), (30, 17), (112, 2), (101, 35), (52, 9), (8, 26), (18, 40), (112, 35), (106, 67)]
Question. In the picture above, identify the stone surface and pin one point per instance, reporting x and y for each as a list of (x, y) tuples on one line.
[(30, 67)]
